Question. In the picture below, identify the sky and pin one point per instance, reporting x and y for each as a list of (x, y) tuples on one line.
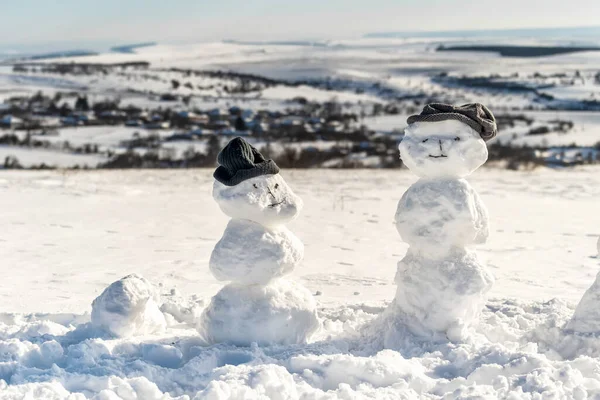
[(93, 23)]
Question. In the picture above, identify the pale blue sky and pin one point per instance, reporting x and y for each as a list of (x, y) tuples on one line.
[(27, 22)]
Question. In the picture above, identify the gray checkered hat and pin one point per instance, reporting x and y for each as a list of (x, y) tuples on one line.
[(476, 115)]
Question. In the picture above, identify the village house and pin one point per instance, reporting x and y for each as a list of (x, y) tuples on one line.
[(8, 121)]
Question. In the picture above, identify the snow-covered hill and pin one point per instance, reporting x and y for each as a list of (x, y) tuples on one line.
[(67, 235), (380, 80)]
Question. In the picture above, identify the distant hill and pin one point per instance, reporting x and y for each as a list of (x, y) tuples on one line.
[(590, 32), (521, 51), (58, 54), (130, 48), (280, 43)]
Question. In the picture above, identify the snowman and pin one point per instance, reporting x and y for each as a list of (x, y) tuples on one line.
[(254, 254), (586, 318), (441, 284)]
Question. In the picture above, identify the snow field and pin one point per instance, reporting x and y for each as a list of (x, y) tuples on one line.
[(82, 231), (519, 352)]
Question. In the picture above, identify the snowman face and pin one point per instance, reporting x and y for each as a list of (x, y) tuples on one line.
[(442, 149), (266, 199)]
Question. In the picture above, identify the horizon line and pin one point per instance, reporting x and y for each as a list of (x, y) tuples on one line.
[(83, 45)]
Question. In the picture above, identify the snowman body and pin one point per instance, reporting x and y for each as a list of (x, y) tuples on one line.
[(441, 283), (255, 253), (249, 253)]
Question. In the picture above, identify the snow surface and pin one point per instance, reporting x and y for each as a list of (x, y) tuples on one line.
[(67, 235), (36, 156)]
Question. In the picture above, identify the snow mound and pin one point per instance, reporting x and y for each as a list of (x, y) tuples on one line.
[(128, 307), (249, 253), (283, 312)]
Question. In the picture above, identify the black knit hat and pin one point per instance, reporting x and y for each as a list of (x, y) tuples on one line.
[(476, 115), (239, 161)]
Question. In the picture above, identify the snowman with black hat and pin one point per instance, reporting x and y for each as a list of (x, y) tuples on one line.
[(441, 283), (255, 252)]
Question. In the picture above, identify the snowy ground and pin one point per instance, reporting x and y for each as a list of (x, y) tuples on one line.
[(67, 235)]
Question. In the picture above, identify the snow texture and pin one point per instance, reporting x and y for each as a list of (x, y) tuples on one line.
[(256, 249), (282, 312), (441, 284), (128, 307)]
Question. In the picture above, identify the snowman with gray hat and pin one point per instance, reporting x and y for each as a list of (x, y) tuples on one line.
[(442, 285), (255, 253)]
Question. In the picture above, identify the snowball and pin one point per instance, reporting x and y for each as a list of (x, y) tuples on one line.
[(282, 312), (250, 253), (440, 295), (442, 149), (586, 318), (266, 199), (436, 215), (128, 307)]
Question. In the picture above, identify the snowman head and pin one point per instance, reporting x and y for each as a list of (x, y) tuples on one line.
[(247, 186), (446, 141), (442, 149), (265, 199)]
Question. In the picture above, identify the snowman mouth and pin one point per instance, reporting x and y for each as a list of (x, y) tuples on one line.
[(440, 156), (276, 204)]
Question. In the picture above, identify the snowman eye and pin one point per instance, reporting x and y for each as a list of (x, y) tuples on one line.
[(424, 140), (457, 139), (276, 185), (255, 187)]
